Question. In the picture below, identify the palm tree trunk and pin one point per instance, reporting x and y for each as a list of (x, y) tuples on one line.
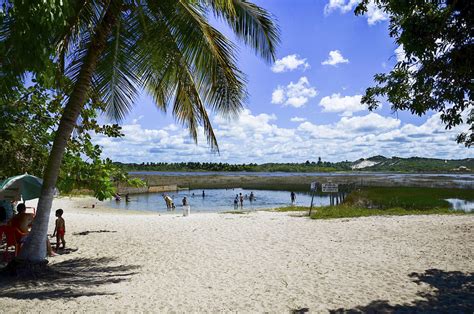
[(34, 250)]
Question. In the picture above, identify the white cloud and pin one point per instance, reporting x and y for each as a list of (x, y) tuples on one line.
[(298, 119), (373, 14), (289, 63), (400, 53), (335, 57), (258, 138), (294, 94), (278, 95), (373, 123), (340, 5), (346, 105)]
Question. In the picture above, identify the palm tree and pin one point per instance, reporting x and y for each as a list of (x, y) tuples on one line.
[(114, 49)]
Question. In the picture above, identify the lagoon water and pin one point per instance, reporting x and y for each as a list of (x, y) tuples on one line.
[(217, 200)]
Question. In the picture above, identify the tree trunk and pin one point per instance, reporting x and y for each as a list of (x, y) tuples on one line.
[(34, 250)]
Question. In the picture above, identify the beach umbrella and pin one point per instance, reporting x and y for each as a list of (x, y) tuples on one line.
[(24, 187)]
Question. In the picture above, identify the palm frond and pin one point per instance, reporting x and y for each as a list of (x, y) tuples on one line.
[(209, 54), (251, 23), (190, 110), (115, 78)]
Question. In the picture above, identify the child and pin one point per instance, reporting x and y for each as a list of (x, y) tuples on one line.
[(60, 229)]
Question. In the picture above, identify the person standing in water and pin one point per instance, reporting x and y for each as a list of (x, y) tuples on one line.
[(186, 207), (236, 201), (203, 194), (293, 198), (252, 197), (241, 200)]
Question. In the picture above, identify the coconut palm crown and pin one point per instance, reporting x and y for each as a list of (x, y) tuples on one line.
[(169, 49)]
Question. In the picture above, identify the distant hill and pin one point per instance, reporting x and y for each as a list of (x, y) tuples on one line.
[(414, 164)]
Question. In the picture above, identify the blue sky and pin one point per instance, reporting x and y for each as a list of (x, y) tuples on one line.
[(306, 105)]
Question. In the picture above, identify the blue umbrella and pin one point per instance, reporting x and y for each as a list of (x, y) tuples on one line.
[(24, 187)]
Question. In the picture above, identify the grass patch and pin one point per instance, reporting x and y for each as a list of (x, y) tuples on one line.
[(291, 209), (235, 212), (406, 197), (347, 211)]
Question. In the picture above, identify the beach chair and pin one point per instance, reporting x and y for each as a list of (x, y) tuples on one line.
[(11, 236)]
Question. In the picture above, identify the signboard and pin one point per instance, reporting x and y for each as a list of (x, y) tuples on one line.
[(329, 187), (313, 186)]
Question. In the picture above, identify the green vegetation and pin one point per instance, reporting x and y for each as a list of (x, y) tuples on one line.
[(28, 120), (406, 197), (292, 209), (393, 201), (419, 164), (236, 212), (436, 72), (252, 167), (345, 211), (394, 164)]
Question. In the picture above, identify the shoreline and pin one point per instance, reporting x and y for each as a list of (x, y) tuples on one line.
[(261, 261)]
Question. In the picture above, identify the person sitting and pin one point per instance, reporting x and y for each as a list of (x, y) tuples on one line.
[(22, 221)]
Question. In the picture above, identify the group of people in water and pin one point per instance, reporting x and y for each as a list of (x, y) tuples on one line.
[(239, 199)]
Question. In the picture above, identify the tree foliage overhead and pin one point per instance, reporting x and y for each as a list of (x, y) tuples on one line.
[(437, 73), (28, 120)]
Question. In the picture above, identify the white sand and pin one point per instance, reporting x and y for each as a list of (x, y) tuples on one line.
[(256, 262)]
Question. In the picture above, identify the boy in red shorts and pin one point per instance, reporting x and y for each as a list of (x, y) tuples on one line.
[(60, 229)]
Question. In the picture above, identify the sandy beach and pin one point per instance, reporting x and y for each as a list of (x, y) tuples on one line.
[(256, 262)]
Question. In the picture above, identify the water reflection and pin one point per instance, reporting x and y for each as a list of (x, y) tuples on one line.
[(218, 200), (458, 204)]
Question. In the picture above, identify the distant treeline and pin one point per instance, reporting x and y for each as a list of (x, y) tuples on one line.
[(395, 164), (251, 167)]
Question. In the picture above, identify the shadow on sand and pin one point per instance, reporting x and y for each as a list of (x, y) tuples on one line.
[(68, 279), (454, 293)]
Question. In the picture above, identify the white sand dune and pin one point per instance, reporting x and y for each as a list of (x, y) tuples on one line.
[(256, 262)]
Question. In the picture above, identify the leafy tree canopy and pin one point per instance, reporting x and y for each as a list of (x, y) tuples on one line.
[(28, 120), (437, 71)]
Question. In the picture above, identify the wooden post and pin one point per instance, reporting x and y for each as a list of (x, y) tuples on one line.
[(311, 207)]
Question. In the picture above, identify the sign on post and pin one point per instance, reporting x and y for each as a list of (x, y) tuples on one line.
[(313, 186), (329, 188)]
